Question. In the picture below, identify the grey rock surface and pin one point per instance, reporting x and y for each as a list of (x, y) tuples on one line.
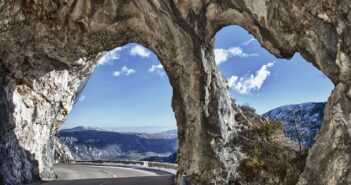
[(62, 153), (48, 48)]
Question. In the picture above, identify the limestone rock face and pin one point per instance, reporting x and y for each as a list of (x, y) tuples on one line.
[(49, 48), (62, 153)]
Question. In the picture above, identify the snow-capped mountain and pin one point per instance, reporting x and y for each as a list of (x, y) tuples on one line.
[(89, 143), (159, 135), (83, 128), (307, 117)]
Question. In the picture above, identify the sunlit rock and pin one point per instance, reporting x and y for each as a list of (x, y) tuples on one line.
[(40, 42)]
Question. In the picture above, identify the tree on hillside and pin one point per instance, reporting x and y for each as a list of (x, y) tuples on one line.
[(297, 131)]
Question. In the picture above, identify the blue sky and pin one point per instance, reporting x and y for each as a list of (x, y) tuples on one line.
[(130, 89)]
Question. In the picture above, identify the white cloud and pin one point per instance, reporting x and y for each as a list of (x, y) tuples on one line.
[(116, 73), (248, 83), (249, 41), (222, 55), (110, 56), (140, 51), (124, 71), (157, 69), (81, 98)]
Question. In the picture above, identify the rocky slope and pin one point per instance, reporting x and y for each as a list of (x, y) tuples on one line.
[(62, 152), (272, 158), (99, 144), (48, 48), (307, 117)]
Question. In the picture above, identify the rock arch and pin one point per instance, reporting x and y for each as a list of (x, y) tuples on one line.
[(42, 42)]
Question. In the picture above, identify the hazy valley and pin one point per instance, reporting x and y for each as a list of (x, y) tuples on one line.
[(89, 143)]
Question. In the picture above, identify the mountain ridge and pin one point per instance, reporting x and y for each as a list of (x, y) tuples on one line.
[(99, 144), (308, 118)]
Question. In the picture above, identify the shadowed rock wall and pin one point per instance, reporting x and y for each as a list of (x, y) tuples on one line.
[(48, 48)]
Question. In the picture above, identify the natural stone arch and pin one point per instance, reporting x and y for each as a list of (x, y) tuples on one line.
[(48, 37), (317, 31), (53, 59)]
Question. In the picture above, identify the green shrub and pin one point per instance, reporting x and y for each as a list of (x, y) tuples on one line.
[(268, 129), (271, 160), (253, 164), (247, 109)]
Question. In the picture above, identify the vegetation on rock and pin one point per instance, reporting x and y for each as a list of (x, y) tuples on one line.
[(271, 158)]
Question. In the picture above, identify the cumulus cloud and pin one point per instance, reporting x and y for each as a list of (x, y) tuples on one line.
[(110, 56), (81, 98), (222, 55), (157, 69), (249, 41), (140, 51), (249, 83), (124, 71)]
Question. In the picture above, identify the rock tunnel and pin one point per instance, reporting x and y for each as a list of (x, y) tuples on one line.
[(48, 48)]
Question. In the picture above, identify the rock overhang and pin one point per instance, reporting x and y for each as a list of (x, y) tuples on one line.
[(41, 42)]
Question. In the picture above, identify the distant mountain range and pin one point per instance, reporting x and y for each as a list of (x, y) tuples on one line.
[(84, 128), (307, 117), (170, 159), (89, 143)]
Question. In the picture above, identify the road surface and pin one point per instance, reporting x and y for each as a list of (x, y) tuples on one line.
[(106, 175)]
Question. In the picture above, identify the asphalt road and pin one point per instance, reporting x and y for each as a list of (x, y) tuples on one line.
[(106, 175)]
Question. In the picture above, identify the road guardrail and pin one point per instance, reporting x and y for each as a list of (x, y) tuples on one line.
[(168, 167)]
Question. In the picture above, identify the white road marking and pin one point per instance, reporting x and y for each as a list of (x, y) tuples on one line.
[(113, 175)]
